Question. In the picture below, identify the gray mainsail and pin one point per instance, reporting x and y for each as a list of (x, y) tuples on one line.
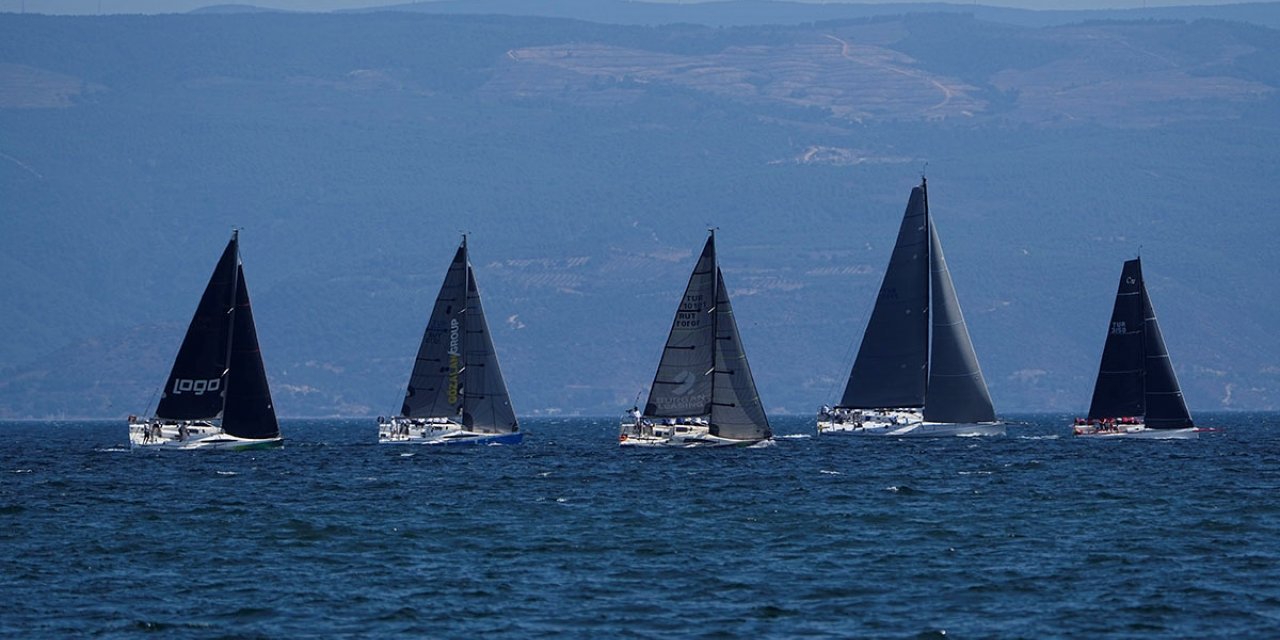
[(1166, 409), (957, 391), (486, 407), (1118, 391), (682, 385), (736, 411), (435, 386), (892, 364)]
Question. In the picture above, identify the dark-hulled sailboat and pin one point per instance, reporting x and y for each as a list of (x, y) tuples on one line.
[(902, 383), (456, 392), (703, 394), (216, 396), (1137, 393)]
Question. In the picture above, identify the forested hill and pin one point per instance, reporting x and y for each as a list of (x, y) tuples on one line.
[(587, 161)]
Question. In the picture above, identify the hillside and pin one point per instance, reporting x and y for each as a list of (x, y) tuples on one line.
[(587, 160)]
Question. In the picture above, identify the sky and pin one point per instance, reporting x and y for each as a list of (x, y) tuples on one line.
[(81, 7)]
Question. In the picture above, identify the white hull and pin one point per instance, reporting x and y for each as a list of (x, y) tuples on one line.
[(434, 431), (190, 436), (899, 423), (683, 435), (915, 430), (1139, 432)]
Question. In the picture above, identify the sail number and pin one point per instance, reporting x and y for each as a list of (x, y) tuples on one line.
[(198, 387), (1117, 328)]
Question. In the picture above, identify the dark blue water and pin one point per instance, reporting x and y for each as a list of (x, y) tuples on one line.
[(1033, 535)]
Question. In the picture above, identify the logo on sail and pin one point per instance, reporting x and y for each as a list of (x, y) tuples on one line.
[(454, 361), (197, 387)]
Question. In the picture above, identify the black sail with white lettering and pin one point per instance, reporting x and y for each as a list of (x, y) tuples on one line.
[(736, 411), (195, 387), (1166, 409), (1118, 391), (682, 384), (486, 407), (435, 383), (249, 412), (892, 364), (957, 392)]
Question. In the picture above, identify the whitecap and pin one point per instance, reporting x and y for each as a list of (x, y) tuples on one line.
[(830, 473), (408, 455), (794, 436), (976, 473), (227, 473), (112, 450), (21, 471)]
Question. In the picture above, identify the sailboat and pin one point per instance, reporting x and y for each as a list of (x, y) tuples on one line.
[(456, 392), (1137, 393), (902, 382), (216, 396), (703, 394)]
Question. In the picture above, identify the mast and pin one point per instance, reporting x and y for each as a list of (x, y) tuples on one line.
[(231, 317)]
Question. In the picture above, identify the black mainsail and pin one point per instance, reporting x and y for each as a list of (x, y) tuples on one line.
[(703, 370), (1136, 377), (892, 366), (218, 373), (682, 385), (456, 373), (898, 364)]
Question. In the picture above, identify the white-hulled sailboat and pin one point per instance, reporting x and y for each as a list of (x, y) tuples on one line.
[(703, 394), (1137, 393), (456, 393), (216, 396), (902, 383)]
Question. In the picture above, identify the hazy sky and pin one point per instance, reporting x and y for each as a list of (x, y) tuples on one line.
[(171, 6)]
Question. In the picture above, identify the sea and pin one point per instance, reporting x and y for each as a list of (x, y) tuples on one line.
[(1032, 535)]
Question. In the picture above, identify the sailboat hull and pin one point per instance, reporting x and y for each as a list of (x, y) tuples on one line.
[(912, 430), (680, 436), (1140, 433), (433, 432), (196, 436)]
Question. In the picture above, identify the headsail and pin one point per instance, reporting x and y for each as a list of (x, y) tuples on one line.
[(957, 391), (197, 383), (682, 385), (435, 385), (736, 411), (249, 412), (1118, 391), (486, 407), (1166, 409), (892, 364)]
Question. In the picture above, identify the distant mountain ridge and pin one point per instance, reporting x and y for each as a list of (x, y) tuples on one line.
[(762, 12)]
